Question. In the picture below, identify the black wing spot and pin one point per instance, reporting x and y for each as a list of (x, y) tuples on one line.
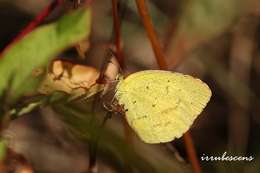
[(134, 102), (153, 105), (147, 87), (168, 81), (141, 117)]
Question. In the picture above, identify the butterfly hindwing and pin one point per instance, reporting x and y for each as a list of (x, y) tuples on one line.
[(161, 105)]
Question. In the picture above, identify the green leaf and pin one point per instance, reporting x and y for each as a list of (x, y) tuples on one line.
[(37, 48)]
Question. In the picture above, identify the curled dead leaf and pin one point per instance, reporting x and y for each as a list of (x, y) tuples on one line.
[(74, 79)]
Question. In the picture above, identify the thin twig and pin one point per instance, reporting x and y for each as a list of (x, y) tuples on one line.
[(119, 54), (117, 29), (34, 23), (190, 149), (142, 9), (120, 58)]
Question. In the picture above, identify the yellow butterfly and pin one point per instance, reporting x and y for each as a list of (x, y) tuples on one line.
[(161, 105)]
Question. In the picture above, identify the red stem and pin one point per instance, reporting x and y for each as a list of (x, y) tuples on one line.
[(117, 29), (191, 152), (34, 23), (142, 9), (119, 54)]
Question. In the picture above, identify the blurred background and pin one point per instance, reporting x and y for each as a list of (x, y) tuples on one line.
[(215, 40)]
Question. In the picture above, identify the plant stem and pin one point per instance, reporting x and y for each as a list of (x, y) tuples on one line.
[(190, 150), (117, 29), (142, 9)]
